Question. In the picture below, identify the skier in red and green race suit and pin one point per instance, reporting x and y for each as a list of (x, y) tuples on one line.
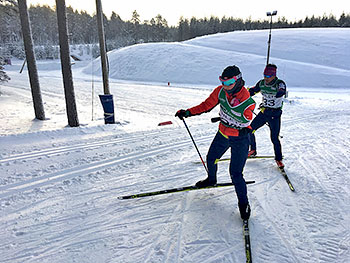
[(236, 113), (272, 89)]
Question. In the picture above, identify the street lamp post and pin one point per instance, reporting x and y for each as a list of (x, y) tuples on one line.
[(271, 14)]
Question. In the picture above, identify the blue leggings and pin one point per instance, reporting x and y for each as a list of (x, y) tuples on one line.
[(274, 121), (239, 152)]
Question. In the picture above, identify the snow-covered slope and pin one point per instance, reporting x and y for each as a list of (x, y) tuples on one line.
[(59, 185), (306, 57)]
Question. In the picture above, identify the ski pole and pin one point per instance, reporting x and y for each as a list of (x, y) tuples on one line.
[(200, 156)]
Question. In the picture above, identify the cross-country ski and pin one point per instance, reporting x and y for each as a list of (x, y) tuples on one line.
[(285, 176), (247, 247), (176, 190), (249, 157)]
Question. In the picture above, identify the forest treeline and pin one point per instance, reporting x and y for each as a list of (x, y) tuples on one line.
[(82, 28)]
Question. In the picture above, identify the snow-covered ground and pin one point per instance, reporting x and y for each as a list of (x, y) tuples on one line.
[(59, 186)]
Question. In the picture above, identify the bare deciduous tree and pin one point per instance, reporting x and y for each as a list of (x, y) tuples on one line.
[(31, 62), (66, 64)]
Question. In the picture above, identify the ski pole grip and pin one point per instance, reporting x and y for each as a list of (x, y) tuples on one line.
[(216, 119)]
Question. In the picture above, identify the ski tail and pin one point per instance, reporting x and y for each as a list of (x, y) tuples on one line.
[(247, 246)]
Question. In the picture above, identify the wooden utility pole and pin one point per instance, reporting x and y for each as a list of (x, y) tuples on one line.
[(101, 36), (31, 62), (66, 64), (107, 98)]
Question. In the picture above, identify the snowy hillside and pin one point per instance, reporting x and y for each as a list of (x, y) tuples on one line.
[(319, 55), (59, 186)]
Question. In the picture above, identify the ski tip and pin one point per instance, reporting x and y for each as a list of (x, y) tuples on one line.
[(125, 197), (250, 182)]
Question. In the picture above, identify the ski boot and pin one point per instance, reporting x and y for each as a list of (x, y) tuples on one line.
[(280, 164), (206, 182), (244, 211), (252, 153)]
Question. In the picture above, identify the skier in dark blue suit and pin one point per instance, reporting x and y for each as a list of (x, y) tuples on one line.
[(272, 90)]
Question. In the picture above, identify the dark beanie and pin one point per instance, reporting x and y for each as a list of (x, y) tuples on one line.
[(230, 72), (270, 70)]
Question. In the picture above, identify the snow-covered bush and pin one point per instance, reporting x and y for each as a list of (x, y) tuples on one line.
[(3, 75), (18, 52)]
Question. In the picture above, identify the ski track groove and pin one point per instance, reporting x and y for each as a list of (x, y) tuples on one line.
[(69, 173), (101, 143), (267, 249), (64, 149), (180, 232), (157, 242), (87, 146)]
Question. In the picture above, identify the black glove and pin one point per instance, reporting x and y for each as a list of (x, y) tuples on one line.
[(183, 114)]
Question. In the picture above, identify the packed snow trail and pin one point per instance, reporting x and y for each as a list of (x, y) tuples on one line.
[(79, 214)]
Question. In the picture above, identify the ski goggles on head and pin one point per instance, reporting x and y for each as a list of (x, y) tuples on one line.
[(228, 82), (268, 76)]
